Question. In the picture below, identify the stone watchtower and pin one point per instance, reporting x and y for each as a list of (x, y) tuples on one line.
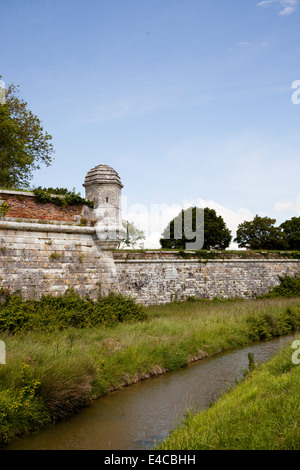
[(103, 186)]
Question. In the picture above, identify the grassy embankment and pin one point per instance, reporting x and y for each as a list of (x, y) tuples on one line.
[(61, 353), (260, 413)]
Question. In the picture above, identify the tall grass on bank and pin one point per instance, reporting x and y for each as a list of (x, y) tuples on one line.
[(260, 413), (51, 374)]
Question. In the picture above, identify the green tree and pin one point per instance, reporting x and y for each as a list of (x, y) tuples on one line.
[(23, 142), (216, 234), (291, 233), (134, 237), (260, 234)]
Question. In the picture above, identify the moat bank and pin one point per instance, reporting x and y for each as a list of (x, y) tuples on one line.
[(51, 376), (260, 413), (136, 417)]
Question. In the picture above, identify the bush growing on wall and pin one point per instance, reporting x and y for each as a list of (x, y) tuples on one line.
[(67, 198), (288, 287)]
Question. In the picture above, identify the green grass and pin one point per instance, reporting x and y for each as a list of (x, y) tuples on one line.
[(260, 413), (50, 374)]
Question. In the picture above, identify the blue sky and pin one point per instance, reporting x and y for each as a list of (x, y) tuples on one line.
[(189, 100)]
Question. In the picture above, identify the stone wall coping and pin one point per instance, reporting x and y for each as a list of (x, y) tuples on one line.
[(37, 221), (150, 251), (24, 193), (20, 193), (36, 227), (205, 261)]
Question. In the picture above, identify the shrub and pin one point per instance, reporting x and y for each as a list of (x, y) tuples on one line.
[(258, 328), (288, 287), (265, 326), (68, 310), (289, 321), (21, 408)]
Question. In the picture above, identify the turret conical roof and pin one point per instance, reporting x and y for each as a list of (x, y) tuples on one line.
[(102, 174)]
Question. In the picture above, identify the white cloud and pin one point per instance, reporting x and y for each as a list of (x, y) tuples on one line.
[(152, 241), (287, 6), (293, 206)]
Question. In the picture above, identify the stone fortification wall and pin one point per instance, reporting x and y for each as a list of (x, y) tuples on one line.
[(163, 277), (44, 249), (38, 259)]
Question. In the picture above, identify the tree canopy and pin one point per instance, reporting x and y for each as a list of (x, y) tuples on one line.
[(177, 233), (260, 234), (23, 142), (134, 237), (291, 233)]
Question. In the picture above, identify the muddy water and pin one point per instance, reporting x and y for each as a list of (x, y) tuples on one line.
[(135, 417)]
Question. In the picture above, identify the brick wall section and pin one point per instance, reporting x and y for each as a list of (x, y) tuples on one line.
[(23, 206)]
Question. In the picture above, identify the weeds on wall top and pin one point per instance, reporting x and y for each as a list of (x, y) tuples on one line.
[(4, 207), (60, 196)]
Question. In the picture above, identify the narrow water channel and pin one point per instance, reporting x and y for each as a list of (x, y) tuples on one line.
[(134, 417)]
